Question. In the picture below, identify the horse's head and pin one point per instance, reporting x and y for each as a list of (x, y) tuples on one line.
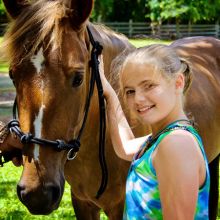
[(48, 48)]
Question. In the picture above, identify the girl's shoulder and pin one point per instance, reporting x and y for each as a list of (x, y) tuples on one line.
[(179, 143), (179, 135)]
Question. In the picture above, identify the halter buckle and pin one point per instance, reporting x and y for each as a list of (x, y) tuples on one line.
[(71, 155)]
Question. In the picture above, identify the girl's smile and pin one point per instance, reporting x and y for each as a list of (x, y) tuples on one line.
[(144, 109)]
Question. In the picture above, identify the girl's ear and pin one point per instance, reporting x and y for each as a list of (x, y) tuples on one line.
[(180, 83)]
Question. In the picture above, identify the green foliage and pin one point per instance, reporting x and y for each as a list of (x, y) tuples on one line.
[(159, 11), (102, 10), (198, 10), (182, 10), (114, 10), (2, 9)]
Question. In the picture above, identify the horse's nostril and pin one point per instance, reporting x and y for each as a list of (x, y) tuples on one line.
[(40, 200), (55, 192)]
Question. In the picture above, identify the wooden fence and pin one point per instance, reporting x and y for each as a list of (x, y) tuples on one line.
[(167, 31)]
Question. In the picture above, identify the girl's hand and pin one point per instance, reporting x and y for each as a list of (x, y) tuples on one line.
[(107, 88), (10, 145), (8, 141)]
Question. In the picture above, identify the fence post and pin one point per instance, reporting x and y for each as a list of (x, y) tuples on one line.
[(189, 28), (217, 34), (177, 30), (130, 28)]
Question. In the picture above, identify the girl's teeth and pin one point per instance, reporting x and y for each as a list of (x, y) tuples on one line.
[(144, 109)]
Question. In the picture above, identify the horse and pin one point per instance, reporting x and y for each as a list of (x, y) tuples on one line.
[(48, 48), (202, 101)]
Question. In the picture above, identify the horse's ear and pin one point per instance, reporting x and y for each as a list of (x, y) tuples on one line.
[(81, 10), (15, 7)]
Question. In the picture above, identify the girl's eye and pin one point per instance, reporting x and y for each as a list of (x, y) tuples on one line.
[(77, 80), (129, 92), (149, 86)]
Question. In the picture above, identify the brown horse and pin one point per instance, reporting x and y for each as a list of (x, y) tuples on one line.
[(202, 101), (49, 51)]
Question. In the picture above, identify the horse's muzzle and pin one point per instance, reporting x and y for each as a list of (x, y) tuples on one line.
[(40, 201)]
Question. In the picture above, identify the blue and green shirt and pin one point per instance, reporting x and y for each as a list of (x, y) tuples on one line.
[(142, 193)]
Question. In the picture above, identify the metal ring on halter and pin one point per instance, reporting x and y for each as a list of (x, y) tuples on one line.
[(69, 155)]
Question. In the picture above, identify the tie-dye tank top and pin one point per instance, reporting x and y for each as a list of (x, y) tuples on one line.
[(142, 193)]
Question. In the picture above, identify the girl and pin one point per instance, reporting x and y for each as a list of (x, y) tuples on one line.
[(168, 178)]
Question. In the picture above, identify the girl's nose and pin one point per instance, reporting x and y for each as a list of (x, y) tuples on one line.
[(139, 97)]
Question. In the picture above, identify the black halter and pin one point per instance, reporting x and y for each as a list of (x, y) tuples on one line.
[(73, 145)]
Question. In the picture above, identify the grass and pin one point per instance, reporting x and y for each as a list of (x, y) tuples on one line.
[(145, 42), (11, 208), (4, 68)]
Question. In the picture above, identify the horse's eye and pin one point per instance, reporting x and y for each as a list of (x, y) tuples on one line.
[(11, 74), (77, 80)]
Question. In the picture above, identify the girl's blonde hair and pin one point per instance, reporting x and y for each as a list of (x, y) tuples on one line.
[(164, 58)]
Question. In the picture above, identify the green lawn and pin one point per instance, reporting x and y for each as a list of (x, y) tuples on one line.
[(143, 42), (11, 208), (4, 68)]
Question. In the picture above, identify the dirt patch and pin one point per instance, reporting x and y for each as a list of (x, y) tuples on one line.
[(7, 93), (5, 119), (7, 96)]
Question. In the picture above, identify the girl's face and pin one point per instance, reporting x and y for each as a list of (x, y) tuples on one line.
[(151, 96)]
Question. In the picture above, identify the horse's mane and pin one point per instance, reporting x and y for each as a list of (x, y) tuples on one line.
[(101, 28), (27, 32), (40, 20)]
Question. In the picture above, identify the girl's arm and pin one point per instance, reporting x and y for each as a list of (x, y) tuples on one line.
[(123, 140), (180, 170)]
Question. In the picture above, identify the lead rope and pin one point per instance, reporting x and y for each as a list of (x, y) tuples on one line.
[(94, 64)]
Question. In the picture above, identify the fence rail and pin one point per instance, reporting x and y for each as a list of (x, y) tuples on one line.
[(166, 31)]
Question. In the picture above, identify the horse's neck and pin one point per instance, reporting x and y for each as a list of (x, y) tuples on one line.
[(113, 44)]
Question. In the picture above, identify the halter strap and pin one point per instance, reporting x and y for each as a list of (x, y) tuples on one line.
[(94, 63)]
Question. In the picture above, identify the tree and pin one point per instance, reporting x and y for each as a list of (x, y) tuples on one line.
[(181, 10), (115, 10), (102, 10), (2, 9)]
